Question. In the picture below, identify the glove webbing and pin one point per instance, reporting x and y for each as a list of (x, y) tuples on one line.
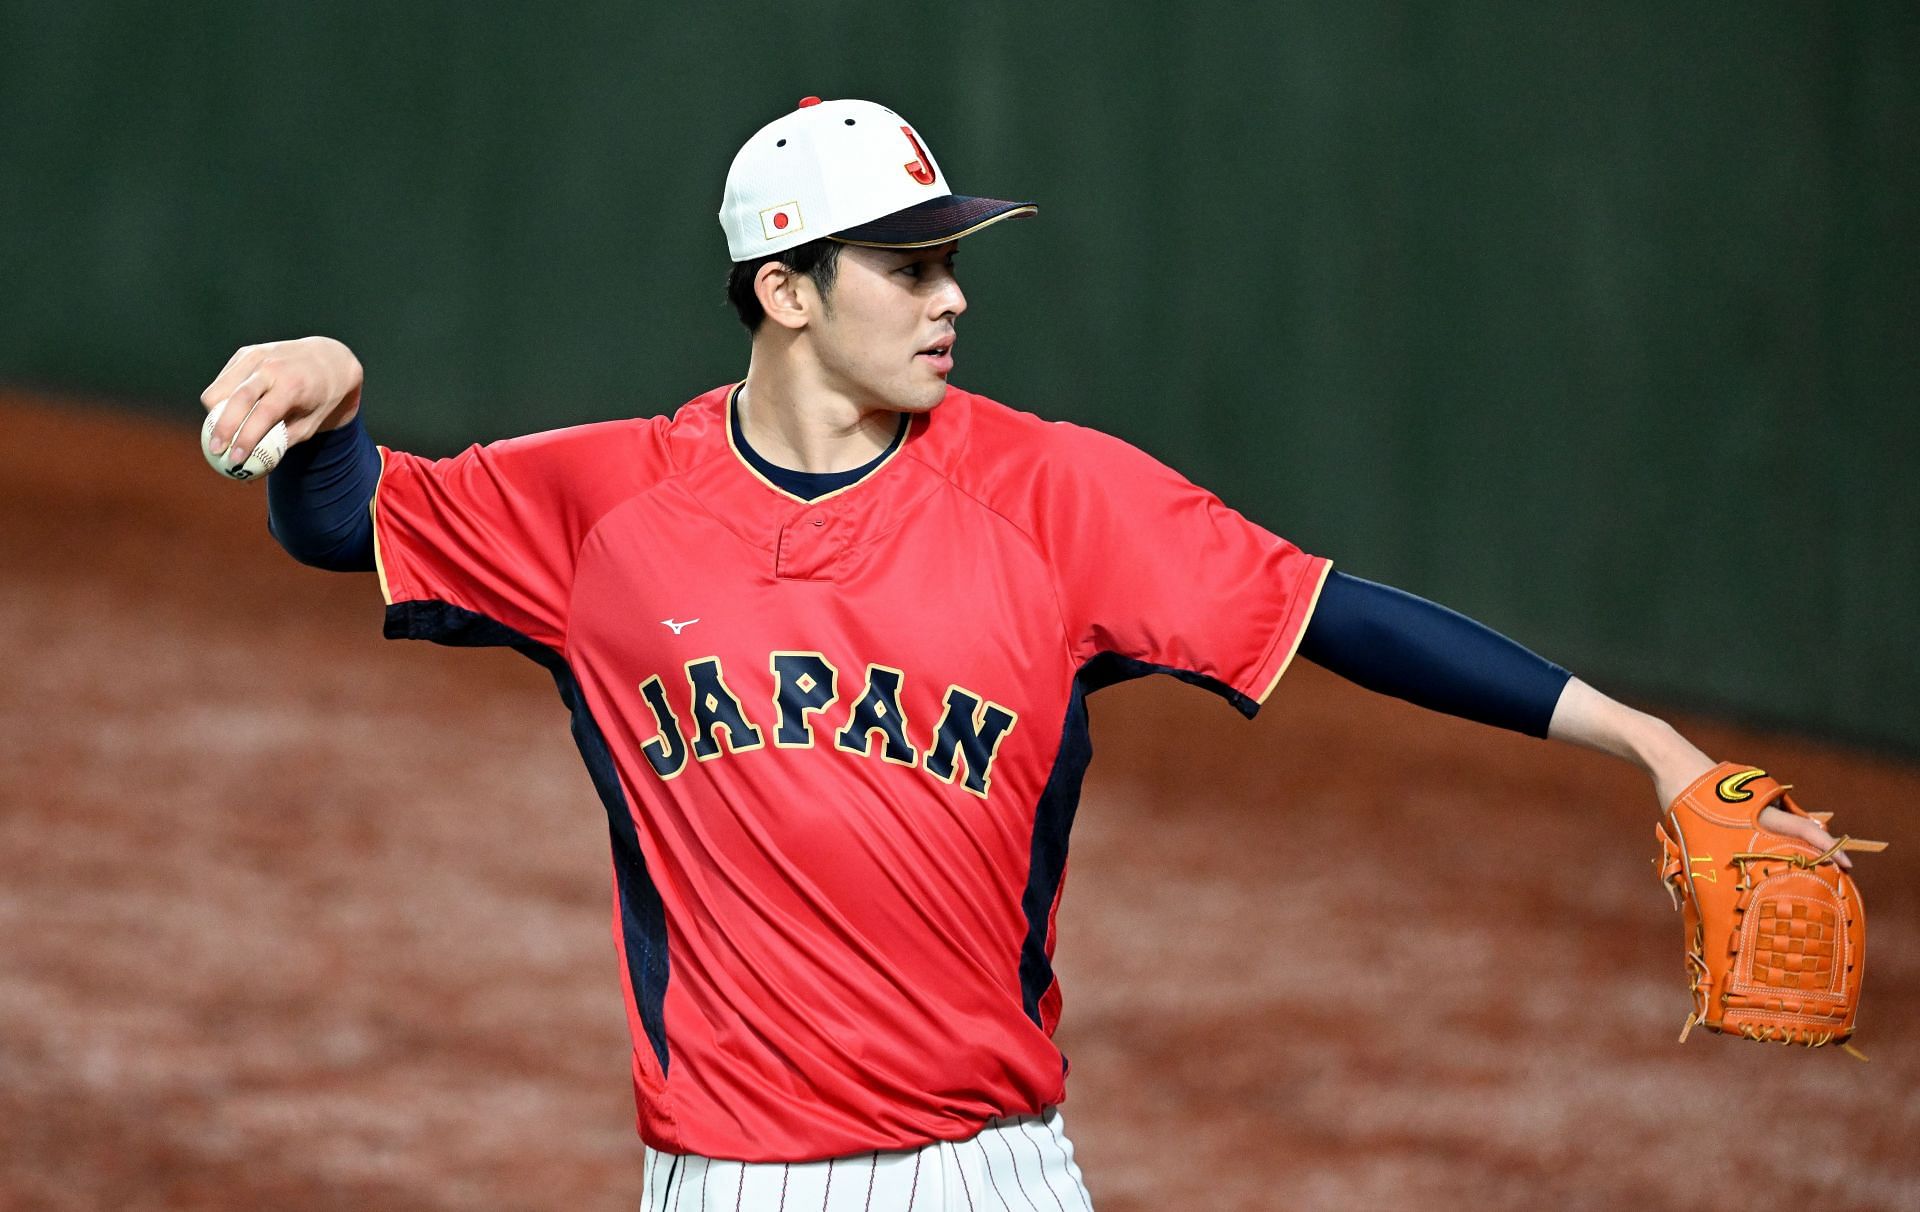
[(1697, 968)]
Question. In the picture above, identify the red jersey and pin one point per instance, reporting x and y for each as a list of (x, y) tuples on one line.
[(839, 742)]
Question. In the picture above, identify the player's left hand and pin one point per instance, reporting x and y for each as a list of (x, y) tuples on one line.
[(1680, 764), (1808, 831)]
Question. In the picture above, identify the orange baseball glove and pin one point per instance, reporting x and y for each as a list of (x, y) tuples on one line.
[(1776, 931)]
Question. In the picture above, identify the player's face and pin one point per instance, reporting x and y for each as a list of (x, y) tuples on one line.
[(887, 339)]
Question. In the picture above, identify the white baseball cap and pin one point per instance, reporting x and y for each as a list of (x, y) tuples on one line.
[(851, 170)]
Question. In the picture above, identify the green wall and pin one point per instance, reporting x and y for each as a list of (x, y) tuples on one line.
[(1597, 322)]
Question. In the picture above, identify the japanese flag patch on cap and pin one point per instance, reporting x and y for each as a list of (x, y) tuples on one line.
[(781, 220), (852, 170)]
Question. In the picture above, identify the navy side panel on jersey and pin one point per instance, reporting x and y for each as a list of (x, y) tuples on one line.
[(643, 921), (1060, 799)]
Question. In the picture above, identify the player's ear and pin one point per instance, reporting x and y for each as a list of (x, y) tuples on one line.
[(789, 298)]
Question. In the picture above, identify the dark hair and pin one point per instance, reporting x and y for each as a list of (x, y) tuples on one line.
[(817, 259)]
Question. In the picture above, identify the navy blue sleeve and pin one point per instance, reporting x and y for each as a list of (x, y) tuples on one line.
[(317, 499), (1394, 643)]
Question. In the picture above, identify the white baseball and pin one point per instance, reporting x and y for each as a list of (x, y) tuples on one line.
[(261, 460)]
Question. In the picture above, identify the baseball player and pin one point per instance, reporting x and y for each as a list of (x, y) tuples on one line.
[(826, 636)]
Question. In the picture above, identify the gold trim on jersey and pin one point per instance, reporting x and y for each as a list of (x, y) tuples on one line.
[(898, 444), (779, 706), (373, 515), (707, 737), (976, 722), (1325, 569), (886, 706), (669, 738), (1016, 213)]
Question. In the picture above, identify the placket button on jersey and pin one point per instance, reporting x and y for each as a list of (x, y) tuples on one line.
[(808, 545)]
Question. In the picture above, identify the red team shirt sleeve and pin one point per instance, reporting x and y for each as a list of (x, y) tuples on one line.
[(1155, 569), (494, 530)]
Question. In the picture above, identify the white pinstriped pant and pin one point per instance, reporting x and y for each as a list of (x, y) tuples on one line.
[(1013, 1165)]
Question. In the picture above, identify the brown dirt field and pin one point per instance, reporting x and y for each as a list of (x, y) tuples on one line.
[(294, 917)]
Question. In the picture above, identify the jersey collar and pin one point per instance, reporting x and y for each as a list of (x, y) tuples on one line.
[(835, 527), (764, 471)]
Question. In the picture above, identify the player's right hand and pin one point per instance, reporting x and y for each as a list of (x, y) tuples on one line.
[(312, 384)]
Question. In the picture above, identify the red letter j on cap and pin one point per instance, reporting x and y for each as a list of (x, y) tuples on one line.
[(917, 168)]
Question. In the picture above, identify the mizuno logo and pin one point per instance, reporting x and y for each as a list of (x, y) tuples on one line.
[(679, 627)]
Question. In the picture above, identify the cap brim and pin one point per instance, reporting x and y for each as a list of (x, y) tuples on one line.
[(934, 222)]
